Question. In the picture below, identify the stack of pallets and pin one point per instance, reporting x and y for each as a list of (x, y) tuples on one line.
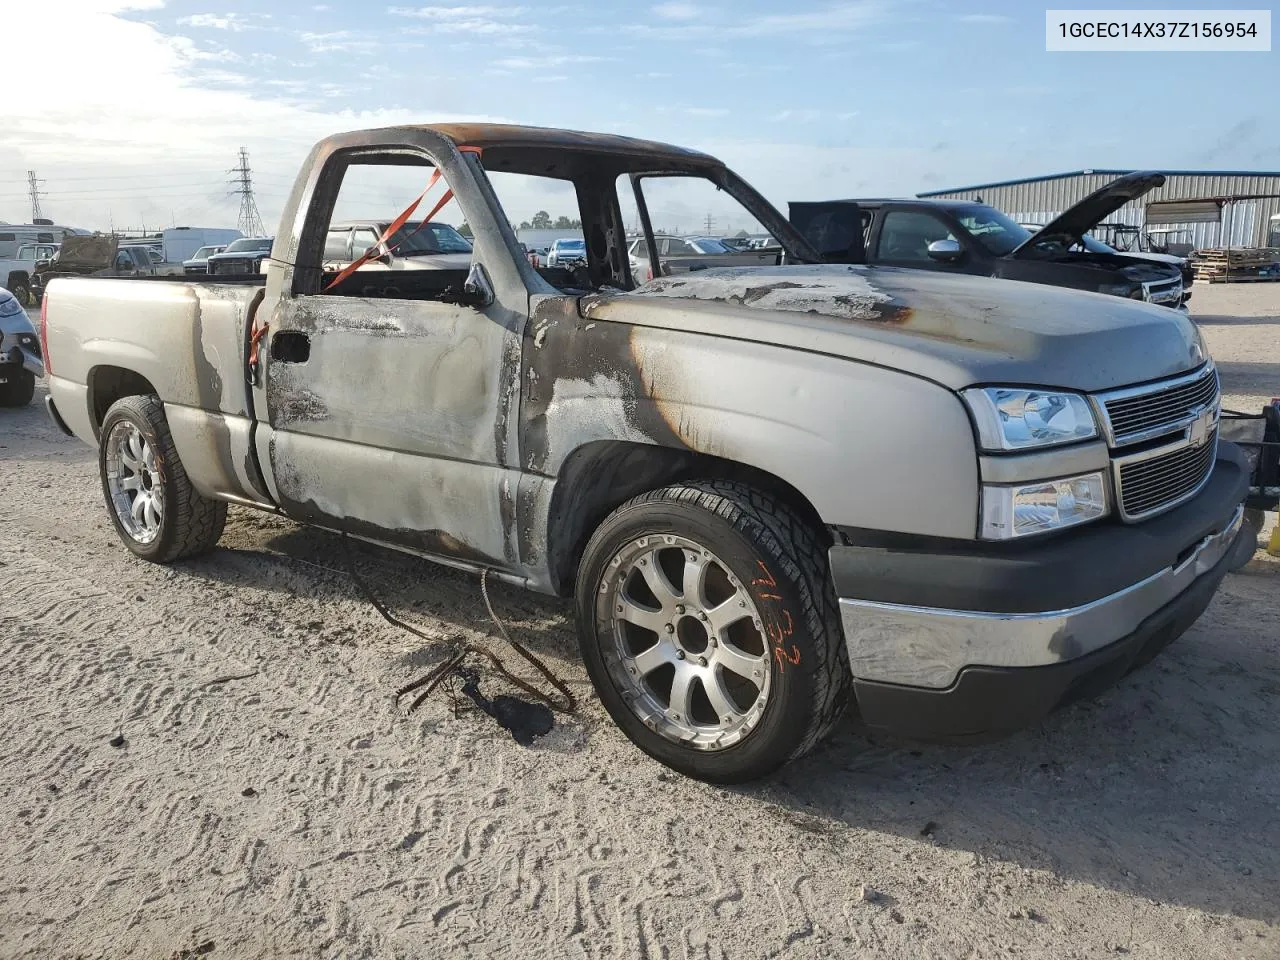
[(1220, 265)]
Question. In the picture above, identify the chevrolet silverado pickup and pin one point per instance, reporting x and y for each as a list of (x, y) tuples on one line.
[(951, 501)]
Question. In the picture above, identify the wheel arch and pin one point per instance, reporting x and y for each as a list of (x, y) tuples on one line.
[(598, 477), (107, 384)]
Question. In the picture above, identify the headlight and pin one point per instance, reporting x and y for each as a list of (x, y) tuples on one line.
[(1040, 507), (9, 306), (1132, 291), (1010, 418)]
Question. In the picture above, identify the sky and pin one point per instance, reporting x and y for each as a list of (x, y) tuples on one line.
[(131, 112)]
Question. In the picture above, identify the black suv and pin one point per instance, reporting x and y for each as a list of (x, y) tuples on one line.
[(962, 236)]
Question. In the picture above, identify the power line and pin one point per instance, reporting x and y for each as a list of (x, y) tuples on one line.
[(34, 184), (250, 221), (710, 221)]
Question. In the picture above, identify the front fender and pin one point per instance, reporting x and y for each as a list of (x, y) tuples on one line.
[(866, 446)]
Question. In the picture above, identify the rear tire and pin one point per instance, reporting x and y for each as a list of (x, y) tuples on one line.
[(156, 511), (22, 290), (711, 631), (19, 390)]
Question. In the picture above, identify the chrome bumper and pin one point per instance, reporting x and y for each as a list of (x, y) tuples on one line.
[(929, 646)]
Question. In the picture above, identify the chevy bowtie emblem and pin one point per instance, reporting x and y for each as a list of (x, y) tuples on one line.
[(1200, 428)]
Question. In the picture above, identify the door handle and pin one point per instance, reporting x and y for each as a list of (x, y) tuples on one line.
[(289, 346)]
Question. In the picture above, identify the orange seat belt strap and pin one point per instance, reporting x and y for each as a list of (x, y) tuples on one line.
[(395, 225)]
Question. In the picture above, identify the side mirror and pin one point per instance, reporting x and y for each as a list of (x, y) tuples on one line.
[(477, 290), (378, 254), (945, 251)]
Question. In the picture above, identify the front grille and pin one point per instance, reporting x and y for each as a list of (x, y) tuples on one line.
[(228, 267), (1159, 482), (1145, 411), (1166, 293)]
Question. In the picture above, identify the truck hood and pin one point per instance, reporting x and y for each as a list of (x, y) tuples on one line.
[(954, 329), (1072, 224), (87, 253)]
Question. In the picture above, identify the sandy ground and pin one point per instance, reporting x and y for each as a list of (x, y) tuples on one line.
[(266, 801)]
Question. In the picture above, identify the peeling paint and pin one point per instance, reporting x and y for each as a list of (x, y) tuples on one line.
[(831, 291), (300, 404)]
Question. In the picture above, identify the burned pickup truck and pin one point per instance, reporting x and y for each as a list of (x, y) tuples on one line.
[(954, 502)]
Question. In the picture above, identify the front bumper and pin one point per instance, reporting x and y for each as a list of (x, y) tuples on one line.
[(958, 641), (27, 358)]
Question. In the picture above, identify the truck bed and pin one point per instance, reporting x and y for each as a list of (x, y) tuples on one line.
[(188, 340)]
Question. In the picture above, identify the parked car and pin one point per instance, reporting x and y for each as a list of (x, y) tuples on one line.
[(773, 491), (1094, 245), (199, 263), (18, 270), (414, 246), (20, 361), (242, 256), (567, 253), (105, 256), (682, 254), (960, 236)]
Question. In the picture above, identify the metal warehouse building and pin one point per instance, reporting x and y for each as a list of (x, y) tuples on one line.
[(1214, 205)]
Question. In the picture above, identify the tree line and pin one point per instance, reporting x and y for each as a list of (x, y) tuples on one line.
[(539, 221)]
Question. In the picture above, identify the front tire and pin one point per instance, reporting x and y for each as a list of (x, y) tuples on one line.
[(155, 509), (710, 629), (19, 390)]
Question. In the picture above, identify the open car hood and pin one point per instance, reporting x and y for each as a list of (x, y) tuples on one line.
[(1073, 223), (87, 253)]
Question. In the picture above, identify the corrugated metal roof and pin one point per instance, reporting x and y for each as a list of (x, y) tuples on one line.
[(1095, 172), (1245, 222)]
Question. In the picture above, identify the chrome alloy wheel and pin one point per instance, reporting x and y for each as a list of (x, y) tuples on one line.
[(689, 654), (133, 479)]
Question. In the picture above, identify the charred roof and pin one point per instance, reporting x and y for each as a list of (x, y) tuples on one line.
[(486, 135)]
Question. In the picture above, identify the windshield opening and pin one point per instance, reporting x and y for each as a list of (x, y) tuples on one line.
[(999, 234), (434, 238), (248, 245), (709, 245)]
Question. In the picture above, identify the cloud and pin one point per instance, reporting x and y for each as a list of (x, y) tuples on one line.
[(545, 62), (97, 151), (215, 21), (984, 18), (1231, 142), (798, 116), (820, 24), (455, 13), (482, 20), (337, 41), (676, 11), (695, 111)]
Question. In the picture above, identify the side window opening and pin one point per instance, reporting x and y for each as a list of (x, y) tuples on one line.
[(546, 214), (684, 207), (335, 245), (420, 255), (905, 236)]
